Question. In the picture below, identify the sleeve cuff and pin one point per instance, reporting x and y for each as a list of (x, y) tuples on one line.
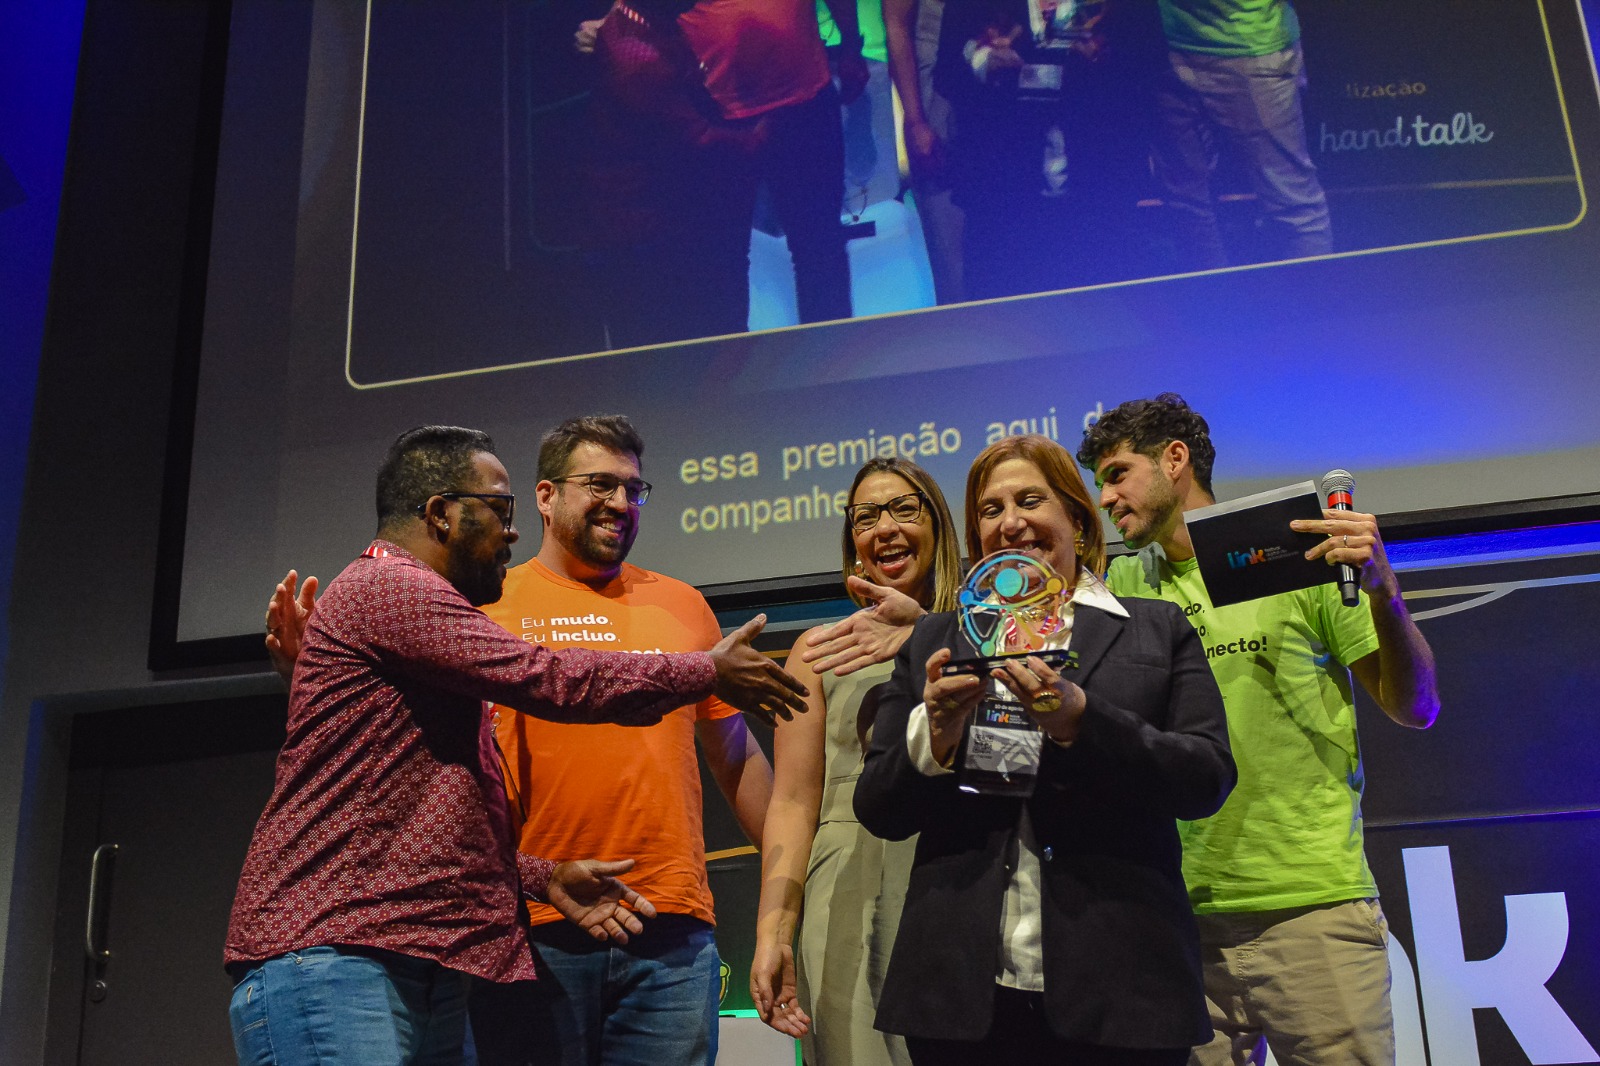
[(699, 676), (535, 874), (919, 744)]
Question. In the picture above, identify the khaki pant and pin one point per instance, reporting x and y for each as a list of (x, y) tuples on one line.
[(1311, 983)]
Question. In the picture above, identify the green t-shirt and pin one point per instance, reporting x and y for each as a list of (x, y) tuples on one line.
[(1230, 27), (1290, 833), (869, 13)]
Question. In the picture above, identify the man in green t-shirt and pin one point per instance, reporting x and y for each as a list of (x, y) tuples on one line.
[(1236, 74), (1293, 940)]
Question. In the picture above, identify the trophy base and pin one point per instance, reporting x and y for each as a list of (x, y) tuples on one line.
[(990, 783)]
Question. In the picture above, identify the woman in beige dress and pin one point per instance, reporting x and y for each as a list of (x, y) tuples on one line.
[(820, 870)]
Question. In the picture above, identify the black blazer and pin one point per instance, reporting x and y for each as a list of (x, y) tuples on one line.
[(1121, 956)]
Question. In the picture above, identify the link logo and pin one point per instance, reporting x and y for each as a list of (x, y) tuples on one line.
[(1512, 981)]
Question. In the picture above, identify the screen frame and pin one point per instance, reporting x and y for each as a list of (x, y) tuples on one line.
[(169, 653)]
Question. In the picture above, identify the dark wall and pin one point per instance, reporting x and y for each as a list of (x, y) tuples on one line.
[(87, 527), (38, 60)]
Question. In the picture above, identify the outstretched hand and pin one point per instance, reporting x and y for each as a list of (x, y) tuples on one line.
[(871, 635), (752, 682), (286, 622), (587, 893)]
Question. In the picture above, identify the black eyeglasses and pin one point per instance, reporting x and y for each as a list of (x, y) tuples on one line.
[(507, 498), (904, 509), (604, 486)]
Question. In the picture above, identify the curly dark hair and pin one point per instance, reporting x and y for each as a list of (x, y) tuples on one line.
[(1148, 426), (615, 432), (424, 462)]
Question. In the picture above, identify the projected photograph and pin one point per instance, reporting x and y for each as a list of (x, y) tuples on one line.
[(424, 214), (551, 181)]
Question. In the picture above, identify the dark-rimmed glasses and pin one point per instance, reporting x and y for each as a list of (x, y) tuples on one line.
[(509, 499), (904, 509), (604, 486)]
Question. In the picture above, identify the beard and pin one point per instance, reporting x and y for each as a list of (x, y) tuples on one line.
[(575, 530), (481, 580), (481, 584), (1156, 518)]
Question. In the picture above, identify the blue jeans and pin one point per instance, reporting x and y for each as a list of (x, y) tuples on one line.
[(651, 1003), (331, 1006)]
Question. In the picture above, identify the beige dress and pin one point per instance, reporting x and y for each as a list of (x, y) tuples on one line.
[(855, 888)]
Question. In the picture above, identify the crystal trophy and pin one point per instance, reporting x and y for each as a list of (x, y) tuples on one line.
[(1060, 23), (1009, 607)]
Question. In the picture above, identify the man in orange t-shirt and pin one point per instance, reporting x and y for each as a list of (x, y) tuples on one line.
[(611, 791)]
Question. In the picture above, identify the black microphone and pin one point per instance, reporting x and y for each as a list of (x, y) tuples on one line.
[(1337, 486)]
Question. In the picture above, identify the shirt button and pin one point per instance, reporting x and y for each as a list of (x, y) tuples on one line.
[(1049, 854)]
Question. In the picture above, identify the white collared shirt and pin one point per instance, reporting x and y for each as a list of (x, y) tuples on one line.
[(1021, 962)]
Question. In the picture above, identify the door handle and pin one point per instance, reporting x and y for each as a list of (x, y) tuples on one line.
[(99, 880)]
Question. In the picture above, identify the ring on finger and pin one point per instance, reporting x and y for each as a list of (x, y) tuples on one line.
[(1046, 700), (1347, 540)]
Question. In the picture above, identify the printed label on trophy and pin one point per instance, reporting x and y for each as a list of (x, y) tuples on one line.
[(1002, 750)]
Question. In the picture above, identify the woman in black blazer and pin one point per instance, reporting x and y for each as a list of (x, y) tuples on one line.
[(1054, 928)]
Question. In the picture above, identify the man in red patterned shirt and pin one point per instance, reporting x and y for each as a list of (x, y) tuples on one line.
[(382, 872)]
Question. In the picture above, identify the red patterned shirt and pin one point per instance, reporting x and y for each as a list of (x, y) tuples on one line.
[(387, 827)]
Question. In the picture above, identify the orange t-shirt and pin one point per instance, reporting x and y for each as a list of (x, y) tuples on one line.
[(758, 55), (606, 791)]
